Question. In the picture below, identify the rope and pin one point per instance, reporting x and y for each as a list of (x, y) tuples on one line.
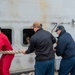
[(11, 52), (31, 73)]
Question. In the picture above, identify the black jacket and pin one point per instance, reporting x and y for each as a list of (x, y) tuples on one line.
[(66, 45), (42, 43)]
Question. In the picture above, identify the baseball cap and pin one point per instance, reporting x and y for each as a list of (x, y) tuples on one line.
[(60, 28)]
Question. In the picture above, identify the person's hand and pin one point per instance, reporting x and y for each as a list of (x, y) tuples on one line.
[(24, 51)]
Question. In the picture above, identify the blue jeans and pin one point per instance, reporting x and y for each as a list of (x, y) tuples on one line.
[(44, 67), (67, 66)]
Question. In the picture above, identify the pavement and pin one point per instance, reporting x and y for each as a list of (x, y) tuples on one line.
[(32, 73)]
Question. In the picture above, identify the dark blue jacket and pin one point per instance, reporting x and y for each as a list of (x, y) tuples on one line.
[(66, 45), (42, 43)]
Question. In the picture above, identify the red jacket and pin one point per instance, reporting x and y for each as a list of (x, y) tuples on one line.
[(4, 42)]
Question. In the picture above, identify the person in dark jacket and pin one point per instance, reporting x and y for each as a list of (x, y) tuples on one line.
[(66, 49), (42, 43)]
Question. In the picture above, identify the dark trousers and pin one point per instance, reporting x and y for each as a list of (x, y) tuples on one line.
[(44, 67), (67, 66)]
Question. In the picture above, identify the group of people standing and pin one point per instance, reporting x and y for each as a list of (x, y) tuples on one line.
[(42, 44)]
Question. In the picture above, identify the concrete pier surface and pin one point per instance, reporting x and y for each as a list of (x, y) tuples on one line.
[(30, 73)]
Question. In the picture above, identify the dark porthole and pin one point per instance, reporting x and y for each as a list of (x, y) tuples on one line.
[(27, 33), (8, 33)]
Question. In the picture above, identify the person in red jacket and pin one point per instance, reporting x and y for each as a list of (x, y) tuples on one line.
[(6, 59)]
